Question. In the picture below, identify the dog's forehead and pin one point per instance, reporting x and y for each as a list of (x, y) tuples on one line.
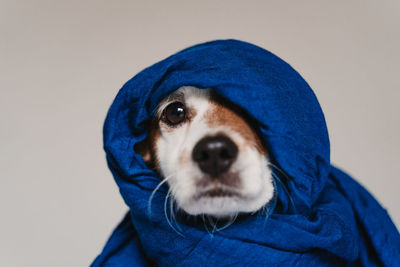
[(190, 95)]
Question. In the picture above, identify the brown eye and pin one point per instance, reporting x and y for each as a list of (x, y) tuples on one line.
[(174, 113)]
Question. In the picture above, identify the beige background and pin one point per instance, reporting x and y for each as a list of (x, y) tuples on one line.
[(62, 62)]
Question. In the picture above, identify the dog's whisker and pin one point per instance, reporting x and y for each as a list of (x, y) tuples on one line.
[(212, 223), (279, 170), (154, 192), (266, 210), (231, 220), (166, 214), (205, 224), (172, 211), (285, 189)]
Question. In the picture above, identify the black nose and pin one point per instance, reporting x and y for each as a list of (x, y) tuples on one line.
[(215, 154)]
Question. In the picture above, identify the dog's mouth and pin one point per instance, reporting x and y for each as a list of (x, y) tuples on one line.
[(217, 192)]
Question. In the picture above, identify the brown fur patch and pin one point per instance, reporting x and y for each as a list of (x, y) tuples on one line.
[(223, 113), (147, 148)]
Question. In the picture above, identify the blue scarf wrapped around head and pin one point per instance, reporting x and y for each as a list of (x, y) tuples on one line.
[(322, 216)]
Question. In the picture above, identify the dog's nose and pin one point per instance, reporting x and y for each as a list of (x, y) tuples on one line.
[(215, 154)]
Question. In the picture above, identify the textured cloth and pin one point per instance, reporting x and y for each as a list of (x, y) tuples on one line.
[(322, 216)]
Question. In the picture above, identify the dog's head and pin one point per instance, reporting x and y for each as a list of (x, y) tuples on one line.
[(213, 160)]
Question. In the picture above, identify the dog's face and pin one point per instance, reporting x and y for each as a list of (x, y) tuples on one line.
[(214, 162)]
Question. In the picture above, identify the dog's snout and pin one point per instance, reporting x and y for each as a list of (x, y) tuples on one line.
[(215, 154)]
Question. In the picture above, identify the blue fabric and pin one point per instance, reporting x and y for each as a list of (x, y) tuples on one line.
[(324, 217)]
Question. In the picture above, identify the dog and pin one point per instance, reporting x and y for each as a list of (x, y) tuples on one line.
[(205, 148)]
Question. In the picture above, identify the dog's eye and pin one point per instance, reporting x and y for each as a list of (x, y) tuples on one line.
[(174, 113)]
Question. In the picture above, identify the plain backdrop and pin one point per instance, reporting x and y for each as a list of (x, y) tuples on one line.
[(62, 63)]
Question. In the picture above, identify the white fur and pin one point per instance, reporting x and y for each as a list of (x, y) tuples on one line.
[(174, 152)]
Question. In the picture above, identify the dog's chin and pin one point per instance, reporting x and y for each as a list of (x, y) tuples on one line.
[(220, 204)]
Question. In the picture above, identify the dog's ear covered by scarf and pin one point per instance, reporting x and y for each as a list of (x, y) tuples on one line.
[(322, 216)]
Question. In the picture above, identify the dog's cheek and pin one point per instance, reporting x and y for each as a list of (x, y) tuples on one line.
[(185, 180), (183, 185), (250, 167), (168, 148), (183, 188)]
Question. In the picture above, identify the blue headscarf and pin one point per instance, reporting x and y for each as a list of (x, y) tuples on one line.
[(322, 216)]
